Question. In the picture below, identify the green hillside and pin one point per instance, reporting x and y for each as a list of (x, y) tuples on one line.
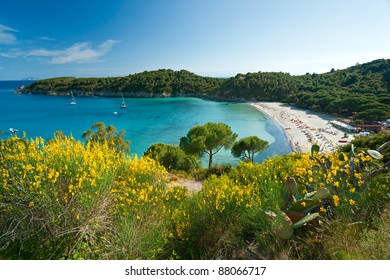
[(362, 91), (159, 81)]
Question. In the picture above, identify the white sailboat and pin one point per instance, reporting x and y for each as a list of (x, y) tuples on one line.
[(73, 102), (123, 104)]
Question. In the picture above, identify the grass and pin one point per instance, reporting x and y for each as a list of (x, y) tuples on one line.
[(357, 241)]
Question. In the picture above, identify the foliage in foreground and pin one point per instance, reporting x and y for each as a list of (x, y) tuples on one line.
[(380, 141), (66, 200)]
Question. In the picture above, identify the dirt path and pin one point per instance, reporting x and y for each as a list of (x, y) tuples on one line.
[(190, 184)]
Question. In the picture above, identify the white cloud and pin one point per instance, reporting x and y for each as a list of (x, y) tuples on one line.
[(45, 38), (78, 53), (82, 52), (6, 37), (40, 52), (107, 45), (7, 55)]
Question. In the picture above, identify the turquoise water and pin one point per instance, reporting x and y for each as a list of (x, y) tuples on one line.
[(146, 121)]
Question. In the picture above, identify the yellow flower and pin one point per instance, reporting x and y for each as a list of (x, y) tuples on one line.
[(322, 209), (352, 202), (303, 204), (336, 200), (31, 204), (358, 175)]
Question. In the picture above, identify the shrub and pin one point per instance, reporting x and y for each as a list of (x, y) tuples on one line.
[(63, 199), (172, 157)]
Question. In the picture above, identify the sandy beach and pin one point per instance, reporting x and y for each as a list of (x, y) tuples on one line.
[(304, 127)]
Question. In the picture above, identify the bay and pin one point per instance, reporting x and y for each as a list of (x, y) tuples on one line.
[(146, 121)]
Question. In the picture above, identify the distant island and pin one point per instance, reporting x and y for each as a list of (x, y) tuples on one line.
[(30, 79), (361, 91)]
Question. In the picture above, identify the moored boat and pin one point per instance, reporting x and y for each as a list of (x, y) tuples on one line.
[(123, 104), (73, 102)]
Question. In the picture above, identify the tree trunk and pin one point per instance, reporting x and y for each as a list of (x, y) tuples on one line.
[(210, 159)]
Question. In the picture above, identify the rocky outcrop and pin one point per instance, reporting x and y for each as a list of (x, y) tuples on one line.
[(141, 94)]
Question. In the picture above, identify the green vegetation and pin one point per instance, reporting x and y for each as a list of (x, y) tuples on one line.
[(202, 140), (246, 148), (63, 199), (208, 139), (260, 86), (160, 81), (379, 141), (101, 134), (173, 158), (361, 91)]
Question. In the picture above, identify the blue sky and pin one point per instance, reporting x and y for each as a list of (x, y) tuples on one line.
[(96, 38)]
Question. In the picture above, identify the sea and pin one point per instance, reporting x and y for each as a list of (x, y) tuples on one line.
[(145, 120)]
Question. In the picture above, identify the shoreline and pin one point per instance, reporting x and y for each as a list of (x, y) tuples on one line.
[(303, 127)]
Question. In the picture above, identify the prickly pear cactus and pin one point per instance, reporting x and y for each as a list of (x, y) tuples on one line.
[(282, 226)]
